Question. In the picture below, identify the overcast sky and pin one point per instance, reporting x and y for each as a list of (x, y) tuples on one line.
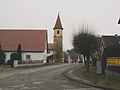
[(102, 15)]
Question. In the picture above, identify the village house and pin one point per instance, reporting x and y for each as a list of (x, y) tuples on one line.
[(50, 53), (34, 43), (108, 40), (50, 49)]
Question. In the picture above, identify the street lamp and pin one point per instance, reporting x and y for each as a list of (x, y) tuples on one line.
[(119, 21)]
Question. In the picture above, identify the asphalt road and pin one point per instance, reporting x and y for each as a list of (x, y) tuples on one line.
[(40, 78)]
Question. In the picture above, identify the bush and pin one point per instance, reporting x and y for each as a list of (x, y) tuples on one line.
[(13, 56), (2, 57), (10, 62)]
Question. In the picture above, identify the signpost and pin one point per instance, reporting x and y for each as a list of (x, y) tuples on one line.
[(113, 61)]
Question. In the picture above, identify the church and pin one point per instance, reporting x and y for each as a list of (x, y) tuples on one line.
[(34, 43), (58, 41)]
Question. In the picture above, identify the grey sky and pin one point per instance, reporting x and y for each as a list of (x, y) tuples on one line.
[(101, 14)]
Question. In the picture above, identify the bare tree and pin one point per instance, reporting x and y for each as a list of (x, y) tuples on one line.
[(85, 42)]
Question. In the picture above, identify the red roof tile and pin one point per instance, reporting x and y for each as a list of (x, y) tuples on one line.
[(30, 40)]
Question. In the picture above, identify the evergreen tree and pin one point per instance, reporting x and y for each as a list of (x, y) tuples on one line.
[(19, 53), (2, 56)]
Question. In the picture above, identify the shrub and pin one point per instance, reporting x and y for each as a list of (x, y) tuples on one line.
[(10, 62), (2, 57)]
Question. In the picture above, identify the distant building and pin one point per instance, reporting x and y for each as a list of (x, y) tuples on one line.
[(50, 53), (33, 43), (50, 49), (108, 40)]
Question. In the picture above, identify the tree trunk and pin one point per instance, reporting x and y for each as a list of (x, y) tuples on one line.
[(84, 61), (88, 61), (94, 62)]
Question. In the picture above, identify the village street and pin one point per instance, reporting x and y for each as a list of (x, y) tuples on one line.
[(40, 78)]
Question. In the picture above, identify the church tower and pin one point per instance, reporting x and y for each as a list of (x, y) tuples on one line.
[(58, 41)]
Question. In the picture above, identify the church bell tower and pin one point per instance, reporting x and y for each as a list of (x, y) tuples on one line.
[(58, 41)]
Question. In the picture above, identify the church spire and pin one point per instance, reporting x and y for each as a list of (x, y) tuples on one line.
[(58, 24)]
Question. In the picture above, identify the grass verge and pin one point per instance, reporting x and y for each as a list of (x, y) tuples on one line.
[(99, 80)]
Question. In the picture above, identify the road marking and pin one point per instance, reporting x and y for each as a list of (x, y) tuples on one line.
[(38, 83), (70, 71)]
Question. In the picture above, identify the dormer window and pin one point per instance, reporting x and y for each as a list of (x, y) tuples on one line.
[(58, 32)]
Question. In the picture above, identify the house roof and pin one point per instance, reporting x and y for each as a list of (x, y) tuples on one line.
[(58, 24), (111, 40), (30, 40), (50, 46)]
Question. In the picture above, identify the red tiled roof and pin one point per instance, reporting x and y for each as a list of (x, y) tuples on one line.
[(50, 46), (30, 40)]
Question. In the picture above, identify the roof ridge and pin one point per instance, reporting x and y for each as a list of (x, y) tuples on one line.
[(23, 29)]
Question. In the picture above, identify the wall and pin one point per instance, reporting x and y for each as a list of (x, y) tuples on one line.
[(60, 32), (34, 55), (50, 53), (8, 56)]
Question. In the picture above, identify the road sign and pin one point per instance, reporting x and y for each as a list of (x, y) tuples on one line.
[(113, 61)]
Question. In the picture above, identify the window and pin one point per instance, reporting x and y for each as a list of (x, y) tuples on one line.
[(28, 57), (58, 32)]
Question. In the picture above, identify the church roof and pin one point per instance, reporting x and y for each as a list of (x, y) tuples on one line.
[(30, 40), (58, 24)]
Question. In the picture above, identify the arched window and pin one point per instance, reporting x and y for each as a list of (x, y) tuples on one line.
[(58, 32)]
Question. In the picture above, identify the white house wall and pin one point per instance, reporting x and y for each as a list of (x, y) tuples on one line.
[(50, 53), (45, 55), (34, 55), (45, 51), (7, 56)]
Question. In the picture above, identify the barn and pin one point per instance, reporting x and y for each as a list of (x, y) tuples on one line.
[(34, 43)]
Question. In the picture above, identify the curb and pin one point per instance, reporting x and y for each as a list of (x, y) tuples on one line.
[(69, 75)]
